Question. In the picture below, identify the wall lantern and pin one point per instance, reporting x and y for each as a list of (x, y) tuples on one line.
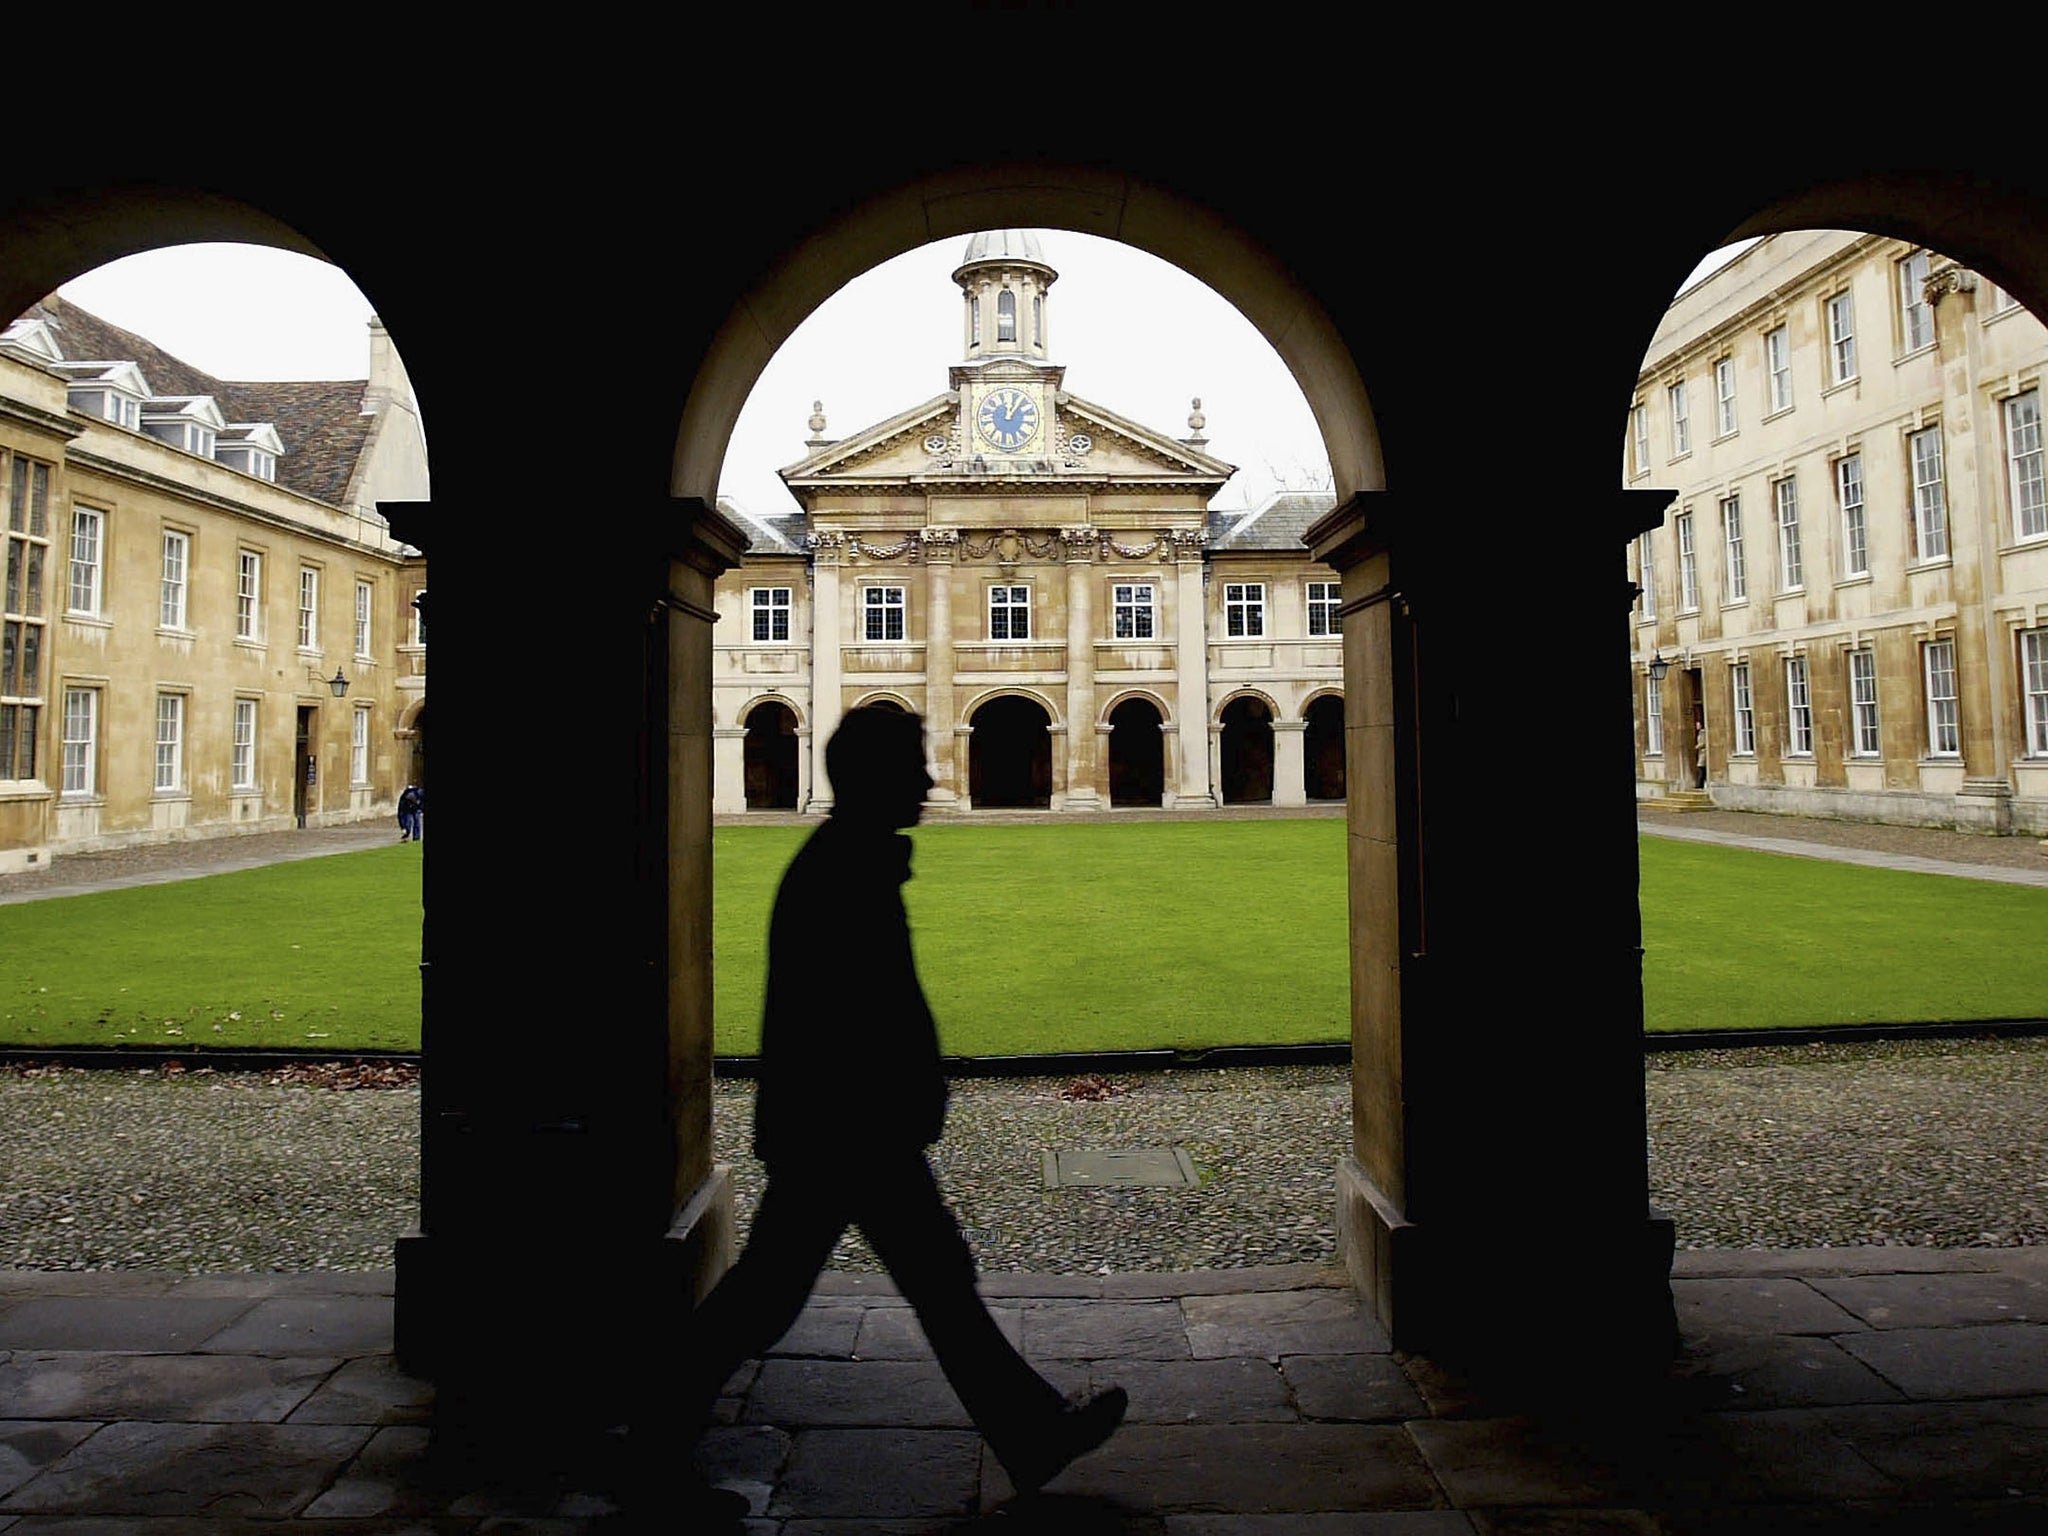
[(1658, 666), (336, 685)]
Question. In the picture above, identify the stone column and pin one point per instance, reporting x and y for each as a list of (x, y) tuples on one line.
[(1479, 1131), (1191, 672), (1290, 785), (1083, 790), (729, 770), (1972, 472), (940, 546), (827, 670), (570, 1207)]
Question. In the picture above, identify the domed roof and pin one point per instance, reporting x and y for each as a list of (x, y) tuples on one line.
[(1003, 245)]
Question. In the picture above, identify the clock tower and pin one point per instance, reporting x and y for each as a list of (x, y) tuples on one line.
[(1006, 385)]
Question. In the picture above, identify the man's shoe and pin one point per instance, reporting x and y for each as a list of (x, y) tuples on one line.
[(1079, 1428)]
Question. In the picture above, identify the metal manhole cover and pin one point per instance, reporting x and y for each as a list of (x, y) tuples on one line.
[(1159, 1167)]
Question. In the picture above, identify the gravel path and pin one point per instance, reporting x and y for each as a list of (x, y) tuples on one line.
[(1930, 1143)]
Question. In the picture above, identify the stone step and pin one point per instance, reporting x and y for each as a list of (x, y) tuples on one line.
[(1681, 800)]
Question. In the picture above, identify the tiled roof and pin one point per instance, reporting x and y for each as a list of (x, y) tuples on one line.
[(321, 424), (1279, 523), (774, 534)]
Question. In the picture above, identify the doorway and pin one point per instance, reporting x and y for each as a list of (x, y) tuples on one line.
[(305, 767), (770, 757), (1247, 752), (1137, 754), (1322, 744), (1009, 756)]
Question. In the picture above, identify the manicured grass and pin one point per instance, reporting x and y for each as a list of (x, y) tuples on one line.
[(1030, 940), (1735, 939)]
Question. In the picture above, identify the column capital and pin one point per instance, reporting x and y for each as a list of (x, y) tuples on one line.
[(940, 544)]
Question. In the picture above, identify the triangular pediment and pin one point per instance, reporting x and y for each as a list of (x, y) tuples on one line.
[(892, 449)]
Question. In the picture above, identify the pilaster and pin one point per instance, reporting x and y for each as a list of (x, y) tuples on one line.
[(828, 553), (1191, 671), (1084, 789), (940, 547), (1290, 784)]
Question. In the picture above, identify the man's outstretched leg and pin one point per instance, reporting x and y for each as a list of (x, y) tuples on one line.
[(1033, 1430)]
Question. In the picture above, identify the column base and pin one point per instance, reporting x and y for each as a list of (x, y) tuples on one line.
[(1551, 1302), (1984, 805), (552, 1327)]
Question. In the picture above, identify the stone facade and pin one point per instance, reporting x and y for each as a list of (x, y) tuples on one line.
[(1043, 580), (191, 565), (1849, 593)]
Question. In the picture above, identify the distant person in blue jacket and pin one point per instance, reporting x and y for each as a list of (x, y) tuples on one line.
[(412, 809)]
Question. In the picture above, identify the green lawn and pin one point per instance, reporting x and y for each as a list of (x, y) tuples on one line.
[(1031, 939)]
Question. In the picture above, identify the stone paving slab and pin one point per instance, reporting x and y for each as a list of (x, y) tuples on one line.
[(26, 1447), (1105, 1330), (1247, 1468), (1361, 1388), (191, 1469), (894, 1333), (1955, 1450), (1874, 1259), (1939, 1300), (829, 1329), (1277, 1323), (159, 1324), (372, 1390), (1236, 1391), (1406, 1522), (797, 1394), (889, 1474), (298, 1325), (1786, 1371), (1996, 1360), (1760, 1305), (169, 1388)]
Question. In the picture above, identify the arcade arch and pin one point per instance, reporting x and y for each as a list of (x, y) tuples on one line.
[(1009, 753), (770, 755), (1322, 747), (1137, 751), (1244, 750)]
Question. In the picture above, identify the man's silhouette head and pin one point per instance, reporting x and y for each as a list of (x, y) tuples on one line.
[(875, 760)]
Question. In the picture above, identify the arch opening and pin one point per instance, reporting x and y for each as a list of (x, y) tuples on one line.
[(1010, 755), (1137, 754)]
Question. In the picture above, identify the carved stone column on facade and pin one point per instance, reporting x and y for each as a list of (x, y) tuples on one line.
[(1970, 454), (940, 545), (1191, 671), (729, 770), (827, 664), (1084, 790), (1290, 781)]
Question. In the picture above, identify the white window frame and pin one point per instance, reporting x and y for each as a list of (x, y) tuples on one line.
[(1639, 418), (1323, 599), (1009, 611), (1681, 419), (1646, 573), (1737, 572), (86, 587), (768, 614), (2034, 685), (1916, 315), (1930, 508), (1791, 557), (170, 743), (81, 745), (1944, 728), (1134, 610), (359, 746), (1653, 717), (25, 547), (1778, 367), (174, 593), (419, 618), (1865, 740), (309, 608), (2024, 476), (1724, 396), (1798, 708), (242, 749), (365, 607), (1745, 710), (1688, 566), (1855, 523), (883, 609), (1244, 609), (248, 595), (1841, 317)]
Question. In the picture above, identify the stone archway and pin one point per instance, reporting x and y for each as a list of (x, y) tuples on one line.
[(1322, 748), (1137, 754), (1009, 756), (1245, 752), (769, 755)]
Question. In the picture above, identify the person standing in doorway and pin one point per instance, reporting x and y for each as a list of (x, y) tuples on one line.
[(410, 807), (852, 1093)]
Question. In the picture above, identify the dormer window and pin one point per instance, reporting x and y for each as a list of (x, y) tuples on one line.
[(199, 441), (1006, 316), (190, 422), (251, 447)]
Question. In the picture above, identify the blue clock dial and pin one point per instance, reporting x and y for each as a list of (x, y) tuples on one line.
[(1008, 418)]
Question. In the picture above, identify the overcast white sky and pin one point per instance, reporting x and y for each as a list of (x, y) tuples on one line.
[(1135, 334)]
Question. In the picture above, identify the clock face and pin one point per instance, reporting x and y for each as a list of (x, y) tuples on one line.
[(1008, 418)]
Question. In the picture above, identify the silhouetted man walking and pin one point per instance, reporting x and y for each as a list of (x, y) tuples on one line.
[(852, 1091)]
